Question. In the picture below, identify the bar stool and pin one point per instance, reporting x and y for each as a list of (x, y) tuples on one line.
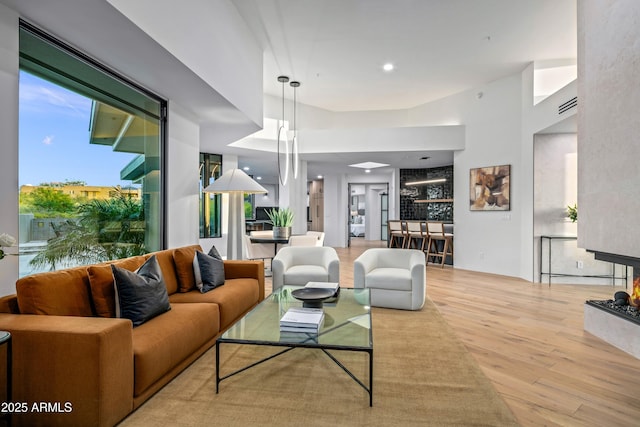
[(437, 235), (416, 235), (397, 238)]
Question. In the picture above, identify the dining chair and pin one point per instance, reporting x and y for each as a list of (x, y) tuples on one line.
[(439, 239), (319, 237), (303, 240), (263, 251)]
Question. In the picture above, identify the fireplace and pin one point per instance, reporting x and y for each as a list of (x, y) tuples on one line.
[(617, 321)]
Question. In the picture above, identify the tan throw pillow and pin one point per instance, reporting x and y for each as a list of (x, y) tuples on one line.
[(102, 286), (183, 259)]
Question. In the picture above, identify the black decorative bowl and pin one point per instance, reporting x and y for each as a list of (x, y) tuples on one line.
[(312, 297)]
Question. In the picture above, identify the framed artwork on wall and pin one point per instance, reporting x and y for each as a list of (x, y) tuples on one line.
[(489, 188)]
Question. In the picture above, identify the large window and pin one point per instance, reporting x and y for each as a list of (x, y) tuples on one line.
[(90, 159), (210, 220)]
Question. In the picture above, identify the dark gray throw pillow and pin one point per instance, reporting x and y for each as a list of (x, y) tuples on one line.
[(214, 252), (141, 295), (211, 271)]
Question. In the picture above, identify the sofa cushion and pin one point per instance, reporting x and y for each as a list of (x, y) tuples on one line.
[(62, 293), (102, 287), (234, 299), (183, 260), (163, 342), (208, 270), (140, 295)]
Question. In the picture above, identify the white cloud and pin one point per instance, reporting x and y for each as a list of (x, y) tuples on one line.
[(49, 98), (48, 140)]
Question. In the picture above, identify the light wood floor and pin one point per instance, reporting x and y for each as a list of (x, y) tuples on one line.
[(528, 338)]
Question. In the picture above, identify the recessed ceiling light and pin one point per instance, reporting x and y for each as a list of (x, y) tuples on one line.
[(246, 168), (368, 165), (258, 178), (367, 171), (388, 66), (319, 176)]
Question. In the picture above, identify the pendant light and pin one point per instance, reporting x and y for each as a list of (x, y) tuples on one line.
[(282, 136), (294, 143)]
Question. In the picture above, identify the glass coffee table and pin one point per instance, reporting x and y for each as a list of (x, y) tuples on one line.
[(346, 327)]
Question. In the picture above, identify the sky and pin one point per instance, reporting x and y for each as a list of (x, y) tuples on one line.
[(54, 138)]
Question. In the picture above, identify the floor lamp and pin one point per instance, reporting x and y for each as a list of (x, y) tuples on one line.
[(236, 183)]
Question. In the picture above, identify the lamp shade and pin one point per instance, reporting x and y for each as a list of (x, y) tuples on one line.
[(235, 181)]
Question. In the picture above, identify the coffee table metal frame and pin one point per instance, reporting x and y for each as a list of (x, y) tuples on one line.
[(265, 318)]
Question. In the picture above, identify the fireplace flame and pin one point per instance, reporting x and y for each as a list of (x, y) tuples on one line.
[(635, 295)]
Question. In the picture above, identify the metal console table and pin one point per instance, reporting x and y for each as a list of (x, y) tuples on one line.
[(550, 274)]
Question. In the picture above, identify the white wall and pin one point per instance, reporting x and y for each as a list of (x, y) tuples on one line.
[(608, 126), (373, 214), (182, 179), (269, 199), (211, 39), (336, 209), (556, 187), (294, 196), (555, 183), (9, 143), (485, 241)]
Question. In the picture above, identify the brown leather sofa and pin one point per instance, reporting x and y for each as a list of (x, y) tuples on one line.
[(92, 369)]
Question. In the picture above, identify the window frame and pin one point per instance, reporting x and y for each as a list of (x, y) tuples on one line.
[(205, 199), (161, 116)]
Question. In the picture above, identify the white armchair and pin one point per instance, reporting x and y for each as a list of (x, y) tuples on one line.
[(396, 278), (298, 265)]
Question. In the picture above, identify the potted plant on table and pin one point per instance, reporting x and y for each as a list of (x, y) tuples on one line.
[(282, 220), (572, 212)]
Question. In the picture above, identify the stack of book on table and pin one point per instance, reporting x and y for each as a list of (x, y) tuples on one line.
[(335, 286), (302, 320)]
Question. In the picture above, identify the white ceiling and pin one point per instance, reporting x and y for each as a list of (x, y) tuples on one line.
[(336, 49)]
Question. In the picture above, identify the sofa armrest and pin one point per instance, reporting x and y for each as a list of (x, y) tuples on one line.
[(84, 363), (237, 269)]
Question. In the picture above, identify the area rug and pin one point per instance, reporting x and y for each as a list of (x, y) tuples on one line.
[(423, 375)]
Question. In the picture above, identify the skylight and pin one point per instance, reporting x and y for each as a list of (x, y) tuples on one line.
[(368, 165)]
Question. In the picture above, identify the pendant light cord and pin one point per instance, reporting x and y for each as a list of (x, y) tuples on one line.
[(295, 149)]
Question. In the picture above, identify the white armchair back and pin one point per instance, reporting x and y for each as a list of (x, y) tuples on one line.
[(300, 265)]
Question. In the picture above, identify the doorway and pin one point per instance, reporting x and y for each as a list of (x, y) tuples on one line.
[(365, 211)]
